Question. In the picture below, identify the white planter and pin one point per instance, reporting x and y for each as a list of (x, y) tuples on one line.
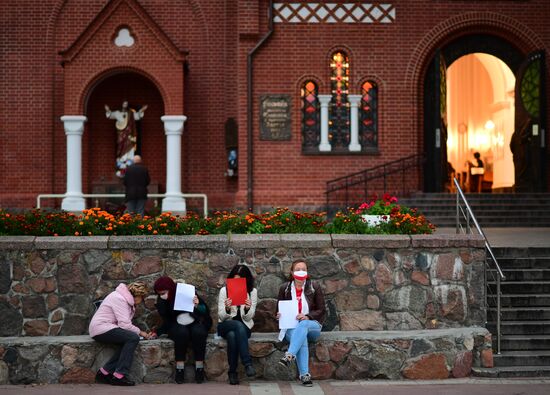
[(373, 220)]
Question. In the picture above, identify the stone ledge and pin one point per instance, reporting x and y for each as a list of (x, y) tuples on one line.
[(217, 243), (24, 243), (371, 241), (447, 240), (71, 243), (417, 354), (222, 243)]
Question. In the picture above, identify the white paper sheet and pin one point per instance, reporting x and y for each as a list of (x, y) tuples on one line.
[(184, 297), (289, 311)]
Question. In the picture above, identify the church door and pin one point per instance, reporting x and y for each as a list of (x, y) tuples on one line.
[(528, 141)]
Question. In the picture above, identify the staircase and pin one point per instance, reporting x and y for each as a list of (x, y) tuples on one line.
[(491, 210), (525, 317)]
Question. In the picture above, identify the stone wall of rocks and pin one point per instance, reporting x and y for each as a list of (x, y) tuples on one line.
[(47, 284), (424, 354)]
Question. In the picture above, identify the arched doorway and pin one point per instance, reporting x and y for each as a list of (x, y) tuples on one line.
[(99, 145), (480, 118), (528, 69)]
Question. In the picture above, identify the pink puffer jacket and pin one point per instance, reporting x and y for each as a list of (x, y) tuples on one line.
[(116, 311)]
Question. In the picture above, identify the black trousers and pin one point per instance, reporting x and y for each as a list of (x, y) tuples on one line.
[(195, 333), (236, 334), (121, 361)]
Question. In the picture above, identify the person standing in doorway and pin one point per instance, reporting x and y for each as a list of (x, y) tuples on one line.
[(476, 173), (136, 181)]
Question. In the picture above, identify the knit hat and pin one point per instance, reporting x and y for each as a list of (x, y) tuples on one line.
[(165, 283)]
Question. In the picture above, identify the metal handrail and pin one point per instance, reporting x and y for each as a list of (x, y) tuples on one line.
[(469, 215), (364, 176), (121, 195)]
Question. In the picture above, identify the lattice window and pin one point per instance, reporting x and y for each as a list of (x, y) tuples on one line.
[(368, 116), (310, 116), (339, 105)]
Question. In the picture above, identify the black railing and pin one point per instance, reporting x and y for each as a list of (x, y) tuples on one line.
[(399, 177)]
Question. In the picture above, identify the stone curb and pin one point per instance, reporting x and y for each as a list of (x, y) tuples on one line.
[(71, 243), (24, 243), (222, 243), (371, 241), (219, 243), (444, 241), (272, 336)]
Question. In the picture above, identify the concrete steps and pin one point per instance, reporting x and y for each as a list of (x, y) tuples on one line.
[(491, 210), (525, 314)]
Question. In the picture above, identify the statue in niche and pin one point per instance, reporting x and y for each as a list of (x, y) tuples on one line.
[(125, 125)]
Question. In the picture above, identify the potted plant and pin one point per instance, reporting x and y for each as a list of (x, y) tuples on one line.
[(378, 210)]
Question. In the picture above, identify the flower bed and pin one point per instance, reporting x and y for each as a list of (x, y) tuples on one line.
[(94, 221)]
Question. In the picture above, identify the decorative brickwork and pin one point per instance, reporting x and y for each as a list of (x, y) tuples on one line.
[(192, 56)]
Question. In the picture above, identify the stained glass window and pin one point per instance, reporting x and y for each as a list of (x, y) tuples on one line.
[(339, 105), (368, 116), (310, 116)]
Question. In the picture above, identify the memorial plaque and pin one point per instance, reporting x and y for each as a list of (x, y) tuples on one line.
[(275, 117)]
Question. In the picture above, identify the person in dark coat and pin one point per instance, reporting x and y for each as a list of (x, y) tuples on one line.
[(136, 180), (183, 327)]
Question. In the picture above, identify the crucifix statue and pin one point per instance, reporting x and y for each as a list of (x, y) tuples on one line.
[(126, 134)]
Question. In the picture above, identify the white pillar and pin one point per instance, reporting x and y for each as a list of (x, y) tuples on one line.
[(324, 100), (173, 127), (354, 101), (74, 128)]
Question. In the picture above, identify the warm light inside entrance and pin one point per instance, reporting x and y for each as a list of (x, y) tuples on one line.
[(480, 115)]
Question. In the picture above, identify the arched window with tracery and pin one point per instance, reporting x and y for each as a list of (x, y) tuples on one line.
[(368, 116), (339, 136), (310, 116)]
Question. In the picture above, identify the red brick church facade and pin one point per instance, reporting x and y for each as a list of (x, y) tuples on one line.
[(192, 58)]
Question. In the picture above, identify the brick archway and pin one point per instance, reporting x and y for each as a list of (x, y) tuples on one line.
[(468, 23)]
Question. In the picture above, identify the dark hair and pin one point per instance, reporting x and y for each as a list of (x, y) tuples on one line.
[(244, 272), (294, 263), (476, 155)]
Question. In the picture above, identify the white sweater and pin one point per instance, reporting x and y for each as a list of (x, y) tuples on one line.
[(246, 316)]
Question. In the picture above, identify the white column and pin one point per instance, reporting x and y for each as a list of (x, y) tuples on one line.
[(74, 128), (324, 100), (354, 101), (173, 127)]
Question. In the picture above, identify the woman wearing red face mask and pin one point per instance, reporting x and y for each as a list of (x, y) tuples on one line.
[(311, 314)]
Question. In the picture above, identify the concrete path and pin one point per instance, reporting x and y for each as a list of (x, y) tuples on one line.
[(512, 237), (470, 386)]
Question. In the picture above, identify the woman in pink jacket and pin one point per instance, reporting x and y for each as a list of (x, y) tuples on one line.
[(112, 324)]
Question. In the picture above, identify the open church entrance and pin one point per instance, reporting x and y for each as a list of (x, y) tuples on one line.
[(480, 118), (100, 143), (482, 95)]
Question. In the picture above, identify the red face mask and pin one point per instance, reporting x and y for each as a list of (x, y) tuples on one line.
[(300, 275)]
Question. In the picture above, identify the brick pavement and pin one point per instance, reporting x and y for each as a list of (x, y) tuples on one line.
[(470, 386)]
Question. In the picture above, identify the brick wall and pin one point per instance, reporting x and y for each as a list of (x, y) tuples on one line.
[(211, 87)]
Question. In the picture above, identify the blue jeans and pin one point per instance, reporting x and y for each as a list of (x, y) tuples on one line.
[(298, 338), (236, 334)]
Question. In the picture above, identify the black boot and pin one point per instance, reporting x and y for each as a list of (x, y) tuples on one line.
[(199, 375), (101, 378), (250, 371), (180, 376), (233, 378), (124, 382)]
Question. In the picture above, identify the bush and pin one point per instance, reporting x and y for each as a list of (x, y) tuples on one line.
[(95, 222)]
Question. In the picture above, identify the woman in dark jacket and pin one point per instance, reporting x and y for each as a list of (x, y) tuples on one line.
[(311, 315), (183, 327)]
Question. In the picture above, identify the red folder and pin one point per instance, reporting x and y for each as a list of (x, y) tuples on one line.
[(236, 291)]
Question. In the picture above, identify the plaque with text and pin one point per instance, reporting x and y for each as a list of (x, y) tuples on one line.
[(275, 117)]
